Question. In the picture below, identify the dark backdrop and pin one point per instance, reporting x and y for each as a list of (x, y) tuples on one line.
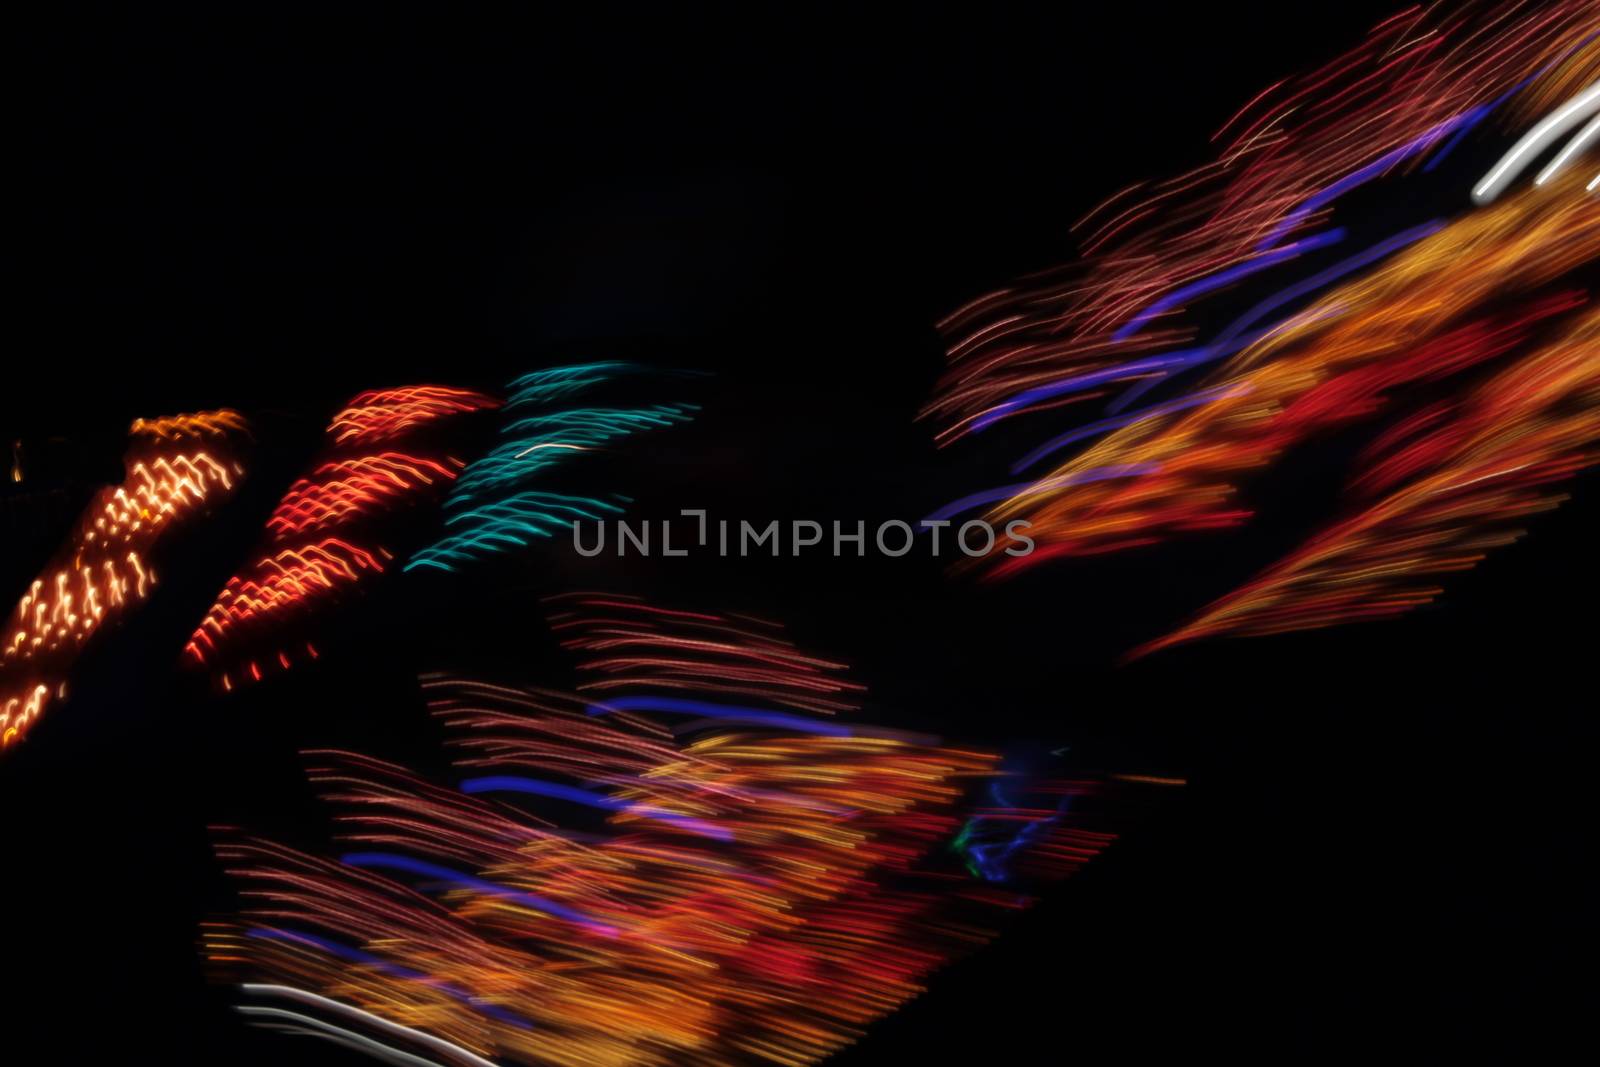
[(1382, 846)]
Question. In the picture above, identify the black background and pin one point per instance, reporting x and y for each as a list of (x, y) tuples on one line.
[(1383, 845)]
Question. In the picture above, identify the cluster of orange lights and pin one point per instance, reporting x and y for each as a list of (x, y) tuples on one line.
[(383, 414), (67, 610), (326, 536), (104, 569), (283, 581), (201, 424), (156, 491), (348, 487)]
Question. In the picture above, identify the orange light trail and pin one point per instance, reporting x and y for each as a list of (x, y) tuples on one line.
[(1436, 503), (746, 894), (329, 533), (338, 490), (1391, 338), (1410, 79), (383, 414), (177, 468)]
